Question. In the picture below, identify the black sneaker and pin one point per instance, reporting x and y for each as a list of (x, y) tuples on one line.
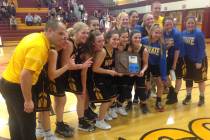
[(159, 107), (172, 99), (129, 106), (201, 101), (135, 101), (90, 116), (187, 100), (144, 108), (85, 125), (64, 130)]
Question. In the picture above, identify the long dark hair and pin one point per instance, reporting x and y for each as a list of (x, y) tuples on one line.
[(91, 40)]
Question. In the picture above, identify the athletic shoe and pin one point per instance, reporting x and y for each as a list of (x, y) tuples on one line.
[(108, 117), (49, 136), (112, 113), (40, 132), (102, 125), (187, 100), (121, 111), (201, 101), (86, 126)]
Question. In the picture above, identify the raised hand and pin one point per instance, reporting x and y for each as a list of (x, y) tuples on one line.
[(87, 63)]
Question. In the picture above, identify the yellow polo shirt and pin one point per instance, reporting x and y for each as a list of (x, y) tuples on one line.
[(31, 54), (159, 21)]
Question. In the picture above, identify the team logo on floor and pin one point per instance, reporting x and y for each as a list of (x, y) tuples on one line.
[(198, 130)]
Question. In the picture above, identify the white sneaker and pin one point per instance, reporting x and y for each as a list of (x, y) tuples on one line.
[(108, 117), (49, 136), (40, 132), (153, 95), (122, 111), (112, 113), (103, 125)]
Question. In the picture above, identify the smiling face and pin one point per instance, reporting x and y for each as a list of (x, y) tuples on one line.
[(148, 20), (135, 39), (99, 42), (156, 32), (190, 24), (124, 39), (168, 25), (82, 35), (134, 18), (123, 20), (114, 40)]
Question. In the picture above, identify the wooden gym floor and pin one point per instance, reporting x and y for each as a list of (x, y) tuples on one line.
[(177, 122)]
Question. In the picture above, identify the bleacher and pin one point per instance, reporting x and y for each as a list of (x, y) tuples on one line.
[(23, 7)]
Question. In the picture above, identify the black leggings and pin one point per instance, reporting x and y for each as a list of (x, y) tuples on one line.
[(22, 125), (140, 88)]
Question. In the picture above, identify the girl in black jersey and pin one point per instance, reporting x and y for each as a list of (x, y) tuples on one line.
[(139, 80), (77, 78), (50, 83), (104, 77)]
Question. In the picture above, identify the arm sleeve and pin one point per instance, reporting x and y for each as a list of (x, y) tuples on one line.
[(34, 60), (178, 41), (163, 69), (200, 47)]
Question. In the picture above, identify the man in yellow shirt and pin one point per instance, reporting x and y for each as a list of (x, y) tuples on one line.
[(22, 73), (156, 11)]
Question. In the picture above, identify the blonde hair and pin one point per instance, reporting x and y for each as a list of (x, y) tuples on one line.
[(119, 17), (70, 32), (161, 40), (78, 26), (145, 17)]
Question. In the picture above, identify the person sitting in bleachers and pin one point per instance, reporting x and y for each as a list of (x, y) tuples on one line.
[(12, 22), (37, 20), (29, 19)]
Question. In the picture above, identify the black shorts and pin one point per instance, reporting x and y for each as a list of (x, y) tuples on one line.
[(42, 91), (154, 70), (197, 75), (103, 89), (74, 84), (124, 87), (180, 66)]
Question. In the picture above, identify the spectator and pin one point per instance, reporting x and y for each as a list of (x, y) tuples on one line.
[(52, 13), (12, 22), (5, 3), (12, 9), (29, 19), (81, 9), (37, 20)]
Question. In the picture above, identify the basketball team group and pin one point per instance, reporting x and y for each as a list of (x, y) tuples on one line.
[(81, 60)]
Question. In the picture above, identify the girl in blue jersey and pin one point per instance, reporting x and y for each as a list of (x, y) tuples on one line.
[(157, 60), (175, 59), (196, 59), (133, 19)]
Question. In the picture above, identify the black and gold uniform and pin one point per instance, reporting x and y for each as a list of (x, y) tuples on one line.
[(74, 78), (104, 84)]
